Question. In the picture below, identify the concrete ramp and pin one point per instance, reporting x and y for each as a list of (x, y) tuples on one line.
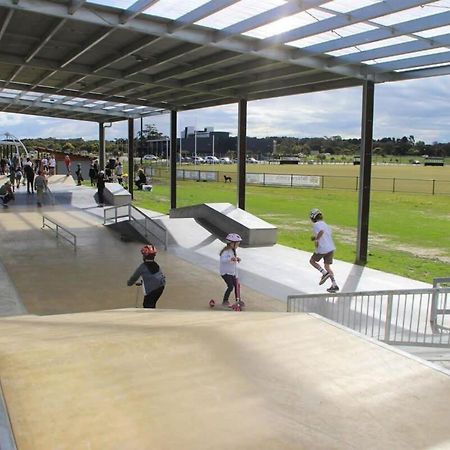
[(223, 218), (139, 379)]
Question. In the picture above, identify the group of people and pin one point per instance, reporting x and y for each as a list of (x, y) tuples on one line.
[(26, 171), (153, 279)]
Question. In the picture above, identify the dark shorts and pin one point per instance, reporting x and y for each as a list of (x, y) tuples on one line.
[(327, 257)]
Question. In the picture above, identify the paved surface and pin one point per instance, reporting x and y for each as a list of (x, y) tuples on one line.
[(127, 378), (136, 379)]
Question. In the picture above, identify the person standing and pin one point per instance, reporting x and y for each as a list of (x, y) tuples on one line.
[(324, 248), (40, 185), (92, 174), (67, 163), (152, 277), (52, 165), (100, 187), (18, 176), (29, 175), (79, 175), (228, 262), (119, 172)]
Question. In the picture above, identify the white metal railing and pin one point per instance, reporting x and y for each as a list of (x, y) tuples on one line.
[(143, 224), (60, 231), (408, 317)]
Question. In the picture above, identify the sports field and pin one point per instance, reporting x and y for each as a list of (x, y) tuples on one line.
[(409, 232)]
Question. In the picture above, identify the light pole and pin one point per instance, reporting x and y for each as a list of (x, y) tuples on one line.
[(195, 147)]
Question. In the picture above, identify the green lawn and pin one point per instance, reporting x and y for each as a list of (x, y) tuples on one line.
[(409, 233)]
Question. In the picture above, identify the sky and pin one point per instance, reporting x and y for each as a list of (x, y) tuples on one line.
[(416, 107)]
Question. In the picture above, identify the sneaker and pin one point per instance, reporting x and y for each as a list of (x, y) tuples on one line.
[(324, 278), (226, 304), (333, 289)]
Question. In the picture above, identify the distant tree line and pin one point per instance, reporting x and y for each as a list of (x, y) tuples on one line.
[(272, 146)]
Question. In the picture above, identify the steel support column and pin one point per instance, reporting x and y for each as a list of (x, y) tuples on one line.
[(365, 169), (241, 152), (173, 159), (131, 156), (101, 146)]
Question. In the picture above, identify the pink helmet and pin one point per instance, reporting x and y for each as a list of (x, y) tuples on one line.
[(148, 250), (233, 237)]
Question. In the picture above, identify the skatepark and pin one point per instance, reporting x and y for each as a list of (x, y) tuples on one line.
[(84, 366)]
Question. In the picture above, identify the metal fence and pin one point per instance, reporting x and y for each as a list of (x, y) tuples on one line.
[(145, 225), (406, 185), (409, 317)]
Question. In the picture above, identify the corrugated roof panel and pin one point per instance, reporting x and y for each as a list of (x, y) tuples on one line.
[(173, 9), (434, 32), (385, 42), (332, 35), (238, 12), (344, 6), (289, 23), (408, 14), (433, 51)]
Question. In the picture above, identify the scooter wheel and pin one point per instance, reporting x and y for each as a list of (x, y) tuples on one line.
[(212, 303)]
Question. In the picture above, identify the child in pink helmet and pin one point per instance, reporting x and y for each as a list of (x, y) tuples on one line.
[(228, 261)]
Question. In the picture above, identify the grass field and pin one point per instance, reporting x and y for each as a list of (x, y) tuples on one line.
[(409, 233)]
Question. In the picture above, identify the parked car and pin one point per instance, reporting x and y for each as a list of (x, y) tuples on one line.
[(252, 161), (197, 160), (149, 158), (225, 160), (211, 160)]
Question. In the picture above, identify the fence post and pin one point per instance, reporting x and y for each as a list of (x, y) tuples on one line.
[(387, 326), (434, 181), (292, 178), (323, 181), (264, 178), (393, 184), (357, 180)]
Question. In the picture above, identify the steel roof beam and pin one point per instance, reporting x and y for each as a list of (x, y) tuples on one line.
[(407, 63), (75, 5), (399, 29), (422, 73), (107, 73), (397, 49), (199, 13), (341, 20), (195, 35), (135, 9), (272, 15), (5, 23)]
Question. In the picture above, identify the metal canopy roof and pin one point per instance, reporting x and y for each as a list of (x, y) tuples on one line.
[(83, 60)]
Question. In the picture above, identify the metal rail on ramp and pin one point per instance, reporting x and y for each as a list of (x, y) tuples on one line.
[(400, 317), (143, 224)]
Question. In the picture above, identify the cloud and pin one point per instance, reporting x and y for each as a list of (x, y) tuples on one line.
[(417, 107)]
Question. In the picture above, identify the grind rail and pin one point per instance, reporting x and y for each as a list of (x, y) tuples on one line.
[(398, 317), (60, 231), (143, 224)]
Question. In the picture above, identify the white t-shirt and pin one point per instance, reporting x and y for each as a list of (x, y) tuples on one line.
[(326, 244), (226, 265)]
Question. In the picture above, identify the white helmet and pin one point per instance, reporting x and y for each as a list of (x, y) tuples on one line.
[(314, 213), (233, 237)]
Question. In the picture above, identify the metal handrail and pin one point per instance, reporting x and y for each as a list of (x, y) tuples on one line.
[(401, 317), (142, 223), (72, 239)]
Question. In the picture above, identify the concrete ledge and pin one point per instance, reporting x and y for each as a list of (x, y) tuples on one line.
[(223, 218), (116, 195)]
